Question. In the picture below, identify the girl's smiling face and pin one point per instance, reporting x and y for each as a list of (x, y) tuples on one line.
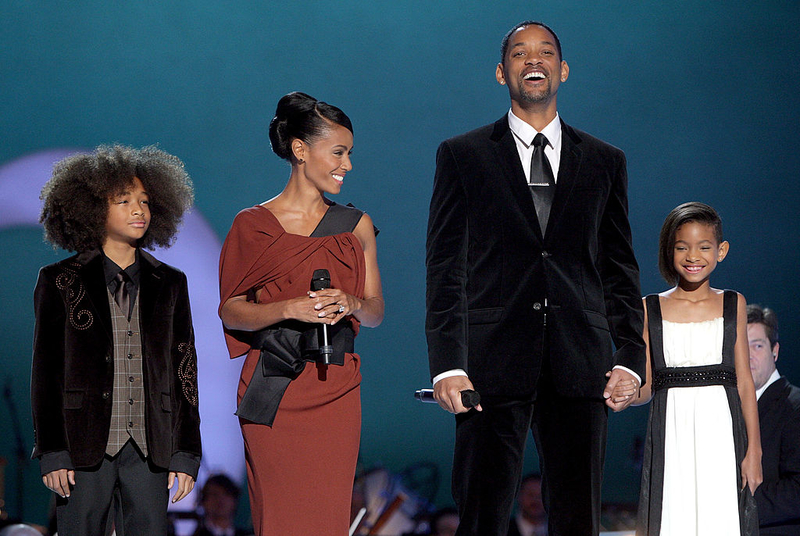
[(696, 252)]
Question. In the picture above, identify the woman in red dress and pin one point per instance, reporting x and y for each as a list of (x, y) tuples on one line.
[(300, 418)]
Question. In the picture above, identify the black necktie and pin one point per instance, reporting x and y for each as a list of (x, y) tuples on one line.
[(121, 295), (542, 183)]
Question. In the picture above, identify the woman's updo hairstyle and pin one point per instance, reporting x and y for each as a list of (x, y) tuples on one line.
[(302, 117)]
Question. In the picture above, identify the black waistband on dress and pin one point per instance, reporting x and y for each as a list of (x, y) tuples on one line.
[(694, 377)]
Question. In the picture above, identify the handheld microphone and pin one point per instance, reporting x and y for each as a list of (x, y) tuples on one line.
[(320, 281), (469, 398)]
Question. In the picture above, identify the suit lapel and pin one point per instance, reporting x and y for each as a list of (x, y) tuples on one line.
[(94, 278), (568, 171), (507, 157), (150, 286), (768, 398)]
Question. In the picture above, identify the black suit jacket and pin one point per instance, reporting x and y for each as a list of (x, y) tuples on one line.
[(778, 497), (489, 269), (73, 365)]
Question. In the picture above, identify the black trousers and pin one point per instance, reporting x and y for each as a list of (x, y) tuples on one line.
[(570, 435), (137, 489)]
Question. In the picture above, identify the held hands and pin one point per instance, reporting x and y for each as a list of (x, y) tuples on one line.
[(621, 389), (185, 485), (752, 474), (59, 481), (447, 393)]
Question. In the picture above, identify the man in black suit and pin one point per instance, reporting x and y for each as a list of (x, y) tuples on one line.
[(531, 277), (778, 496)]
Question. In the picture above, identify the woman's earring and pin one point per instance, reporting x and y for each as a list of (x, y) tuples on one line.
[(301, 161)]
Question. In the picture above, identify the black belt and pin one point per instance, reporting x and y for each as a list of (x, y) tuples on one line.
[(694, 377)]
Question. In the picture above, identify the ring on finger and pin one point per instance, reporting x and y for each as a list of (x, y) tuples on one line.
[(341, 308)]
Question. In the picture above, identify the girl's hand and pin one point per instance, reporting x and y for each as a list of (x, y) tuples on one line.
[(751, 471), (624, 390), (621, 389), (333, 304)]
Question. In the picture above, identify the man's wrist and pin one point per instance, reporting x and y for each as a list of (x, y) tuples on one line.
[(629, 371), (448, 374)]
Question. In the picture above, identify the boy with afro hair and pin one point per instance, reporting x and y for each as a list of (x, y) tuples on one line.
[(114, 375)]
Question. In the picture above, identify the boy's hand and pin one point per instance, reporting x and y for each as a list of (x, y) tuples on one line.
[(185, 485), (59, 481)]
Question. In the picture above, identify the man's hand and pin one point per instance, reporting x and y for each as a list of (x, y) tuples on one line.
[(447, 393), (620, 390), (185, 485), (59, 481)]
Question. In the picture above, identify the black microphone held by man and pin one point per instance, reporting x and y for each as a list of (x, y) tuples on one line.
[(469, 398)]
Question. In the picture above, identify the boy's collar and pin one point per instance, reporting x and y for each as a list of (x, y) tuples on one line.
[(111, 268), (89, 255)]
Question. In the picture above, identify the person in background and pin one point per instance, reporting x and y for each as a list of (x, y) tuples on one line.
[(778, 497), (531, 519), (444, 522), (219, 499)]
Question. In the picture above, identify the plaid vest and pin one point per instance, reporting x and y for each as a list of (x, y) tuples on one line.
[(127, 413)]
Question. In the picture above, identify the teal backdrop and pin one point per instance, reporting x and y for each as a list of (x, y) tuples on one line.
[(702, 96)]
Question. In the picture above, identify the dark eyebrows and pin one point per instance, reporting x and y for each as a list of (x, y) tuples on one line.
[(701, 242), (523, 43)]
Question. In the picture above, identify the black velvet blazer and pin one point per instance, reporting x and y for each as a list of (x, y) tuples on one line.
[(489, 269), (73, 365)]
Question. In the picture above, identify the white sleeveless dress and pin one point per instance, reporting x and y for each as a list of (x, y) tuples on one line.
[(700, 483)]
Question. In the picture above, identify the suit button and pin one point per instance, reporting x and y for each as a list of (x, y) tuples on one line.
[(130, 401), (537, 306), (106, 395), (130, 356), (545, 254), (108, 359), (130, 379), (130, 333)]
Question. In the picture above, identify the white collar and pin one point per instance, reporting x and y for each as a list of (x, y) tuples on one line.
[(772, 379), (525, 132)]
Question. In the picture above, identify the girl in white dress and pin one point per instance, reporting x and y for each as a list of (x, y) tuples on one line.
[(702, 457)]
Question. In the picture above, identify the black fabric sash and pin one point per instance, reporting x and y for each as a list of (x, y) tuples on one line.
[(338, 219), (285, 350), (287, 347)]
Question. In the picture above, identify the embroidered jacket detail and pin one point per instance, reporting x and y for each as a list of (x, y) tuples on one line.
[(187, 372), (68, 281)]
